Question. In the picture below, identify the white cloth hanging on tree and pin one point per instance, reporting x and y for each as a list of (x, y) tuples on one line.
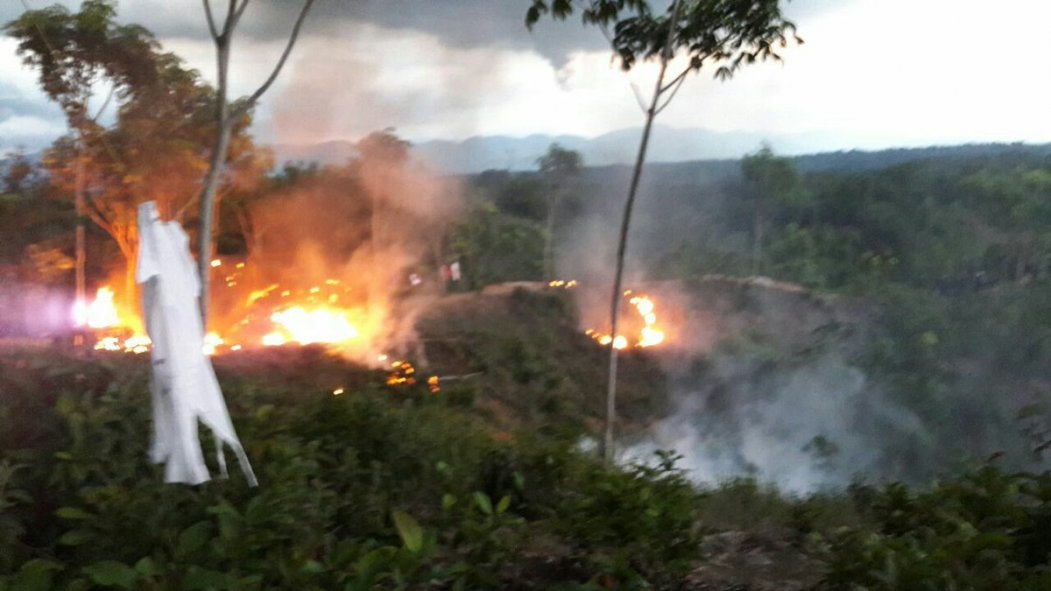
[(184, 388)]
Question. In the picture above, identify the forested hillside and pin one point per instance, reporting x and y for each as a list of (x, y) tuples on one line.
[(835, 330), (948, 256)]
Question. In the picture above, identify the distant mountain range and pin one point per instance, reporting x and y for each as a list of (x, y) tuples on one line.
[(708, 149), (668, 144), (520, 153)]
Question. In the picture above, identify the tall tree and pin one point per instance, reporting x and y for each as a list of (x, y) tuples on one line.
[(155, 151), (227, 117), (18, 173), (720, 34), (558, 165), (75, 55), (156, 147), (775, 182)]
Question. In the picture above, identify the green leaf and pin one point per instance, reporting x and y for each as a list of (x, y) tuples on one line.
[(72, 513), (313, 567), (194, 537), (369, 566), (146, 568), (75, 537), (200, 578), (503, 505), (409, 530), (79, 584), (110, 573), (482, 500), (35, 575), (448, 501)]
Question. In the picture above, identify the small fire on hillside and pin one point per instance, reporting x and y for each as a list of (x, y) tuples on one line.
[(649, 333)]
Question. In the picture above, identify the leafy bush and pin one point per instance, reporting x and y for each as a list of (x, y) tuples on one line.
[(374, 488), (985, 531)]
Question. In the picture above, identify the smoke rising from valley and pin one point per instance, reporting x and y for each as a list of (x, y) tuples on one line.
[(768, 380)]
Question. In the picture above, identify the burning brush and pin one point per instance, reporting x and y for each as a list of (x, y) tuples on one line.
[(650, 335)]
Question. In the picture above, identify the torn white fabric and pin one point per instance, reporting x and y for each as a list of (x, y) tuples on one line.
[(183, 386)]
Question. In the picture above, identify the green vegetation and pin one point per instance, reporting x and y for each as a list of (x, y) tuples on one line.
[(399, 488), (387, 487), (927, 274)]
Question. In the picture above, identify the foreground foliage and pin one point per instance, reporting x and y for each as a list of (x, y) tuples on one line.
[(404, 489), (374, 487)]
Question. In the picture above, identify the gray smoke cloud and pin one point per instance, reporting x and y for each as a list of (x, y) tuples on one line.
[(764, 376)]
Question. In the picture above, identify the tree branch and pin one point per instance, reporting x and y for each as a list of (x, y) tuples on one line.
[(280, 64), (238, 12), (105, 103), (678, 79), (211, 20), (228, 22), (678, 85), (96, 215), (182, 210)]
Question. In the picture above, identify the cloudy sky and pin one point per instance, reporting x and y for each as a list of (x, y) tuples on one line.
[(873, 73)]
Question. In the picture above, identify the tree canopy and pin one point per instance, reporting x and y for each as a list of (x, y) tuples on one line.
[(74, 52), (156, 148), (725, 34)]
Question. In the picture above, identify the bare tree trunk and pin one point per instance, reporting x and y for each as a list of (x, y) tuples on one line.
[(215, 169), (617, 295), (208, 206)]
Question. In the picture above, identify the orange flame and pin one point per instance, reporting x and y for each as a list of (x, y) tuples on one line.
[(320, 325), (649, 335), (102, 313)]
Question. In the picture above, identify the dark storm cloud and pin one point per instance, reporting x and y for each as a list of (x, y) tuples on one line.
[(458, 23)]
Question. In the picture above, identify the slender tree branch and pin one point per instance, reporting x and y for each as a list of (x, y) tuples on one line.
[(678, 79), (281, 63), (211, 20), (238, 12), (105, 103), (95, 213), (674, 91), (182, 210), (228, 22)]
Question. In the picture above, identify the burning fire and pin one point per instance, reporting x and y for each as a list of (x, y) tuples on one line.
[(402, 374), (320, 325), (563, 283), (101, 313), (117, 331), (649, 335)]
